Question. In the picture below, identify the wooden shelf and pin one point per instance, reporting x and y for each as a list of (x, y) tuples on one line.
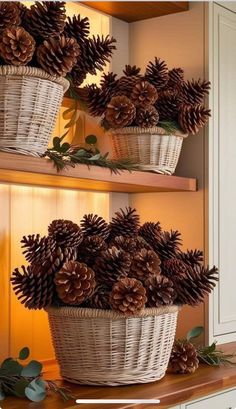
[(29, 170), (131, 11)]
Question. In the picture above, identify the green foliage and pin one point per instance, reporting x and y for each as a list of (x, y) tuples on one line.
[(25, 381), (194, 333), (169, 126)]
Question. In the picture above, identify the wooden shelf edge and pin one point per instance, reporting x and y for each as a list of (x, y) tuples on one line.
[(29, 170)]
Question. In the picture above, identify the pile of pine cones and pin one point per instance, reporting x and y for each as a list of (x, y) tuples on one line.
[(146, 100), (43, 36), (120, 266)]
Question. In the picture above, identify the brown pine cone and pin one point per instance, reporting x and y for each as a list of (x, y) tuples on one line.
[(120, 112), (147, 117), (58, 55), (131, 70), (127, 82), (166, 244), (9, 15), (144, 94), (160, 291), (183, 359), (66, 233), (75, 283), (38, 249), (142, 244), (145, 263), (59, 257), (149, 230), (128, 296), (111, 265), (77, 27), (175, 269), (168, 105), (193, 93), (127, 244), (193, 117), (94, 225), (33, 287), (95, 98), (45, 19), (16, 46), (157, 73), (90, 248), (125, 223), (196, 284), (176, 79), (77, 77), (22, 10), (192, 257), (100, 299)]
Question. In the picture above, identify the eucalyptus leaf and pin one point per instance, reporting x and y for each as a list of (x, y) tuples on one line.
[(91, 139), (80, 152), (33, 369), (195, 333), (11, 367), (19, 387), (35, 391), (64, 147), (24, 353), (95, 157)]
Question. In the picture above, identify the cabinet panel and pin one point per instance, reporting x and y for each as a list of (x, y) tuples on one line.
[(225, 400), (222, 177)]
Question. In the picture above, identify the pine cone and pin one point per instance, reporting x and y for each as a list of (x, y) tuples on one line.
[(176, 79), (16, 46), (58, 55), (128, 296), (22, 10), (66, 233), (127, 82), (165, 244), (45, 19), (111, 265), (168, 105), (147, 117), (149, 230), (142, 244), (145, 264), (193, 117), (95, 52), (131, 70), (183, 359), (157, 73), (175, 269), (160, 291), (38, 249), (100, 299), (77, 27), (75, 283), (77, 78), (125, 223), (9, 15), (109, 84), (194, 92), (127, 244), (198, 282), (58, 258), (90, 248), (93, 225), (143, 94), (34, 287), (120, 112), (192, 257), (95, 99)]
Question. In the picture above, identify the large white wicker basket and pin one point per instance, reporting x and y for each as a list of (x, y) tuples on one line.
[(101, 347), (29, 103), (152, 149)]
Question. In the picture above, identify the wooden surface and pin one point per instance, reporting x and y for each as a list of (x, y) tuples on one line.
[(134, 10), (21, 169), (171, 390)]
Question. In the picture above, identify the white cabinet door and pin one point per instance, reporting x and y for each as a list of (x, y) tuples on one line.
[(226, 400), (222, 171)]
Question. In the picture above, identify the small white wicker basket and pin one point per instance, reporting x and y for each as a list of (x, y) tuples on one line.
[(101, 347), (29, 104), (152, 149)]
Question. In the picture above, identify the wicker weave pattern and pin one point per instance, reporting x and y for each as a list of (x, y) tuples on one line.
[(29, 104), (96, 348), (151, 148)]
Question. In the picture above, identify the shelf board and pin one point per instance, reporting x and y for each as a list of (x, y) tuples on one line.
[(131, 11), (29, 170)]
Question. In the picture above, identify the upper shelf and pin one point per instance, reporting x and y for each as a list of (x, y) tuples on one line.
[(28, 170), (131, 11)]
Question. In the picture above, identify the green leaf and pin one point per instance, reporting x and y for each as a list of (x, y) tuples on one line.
[(56, 142), (91, 139), (19, 387), (11, 367), (33, 369), (95, 157), (195, 333), (2, 394), (36, 390), (24, 353), (64, 147)]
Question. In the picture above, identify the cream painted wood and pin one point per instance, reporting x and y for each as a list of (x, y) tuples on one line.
[(224, 400), (222, 175)]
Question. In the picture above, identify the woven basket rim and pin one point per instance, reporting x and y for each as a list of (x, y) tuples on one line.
[(34, 72), (155, 130), (77, 312)]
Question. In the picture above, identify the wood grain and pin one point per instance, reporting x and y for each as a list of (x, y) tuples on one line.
[(21, 169), (171, 390), (131, 11)]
